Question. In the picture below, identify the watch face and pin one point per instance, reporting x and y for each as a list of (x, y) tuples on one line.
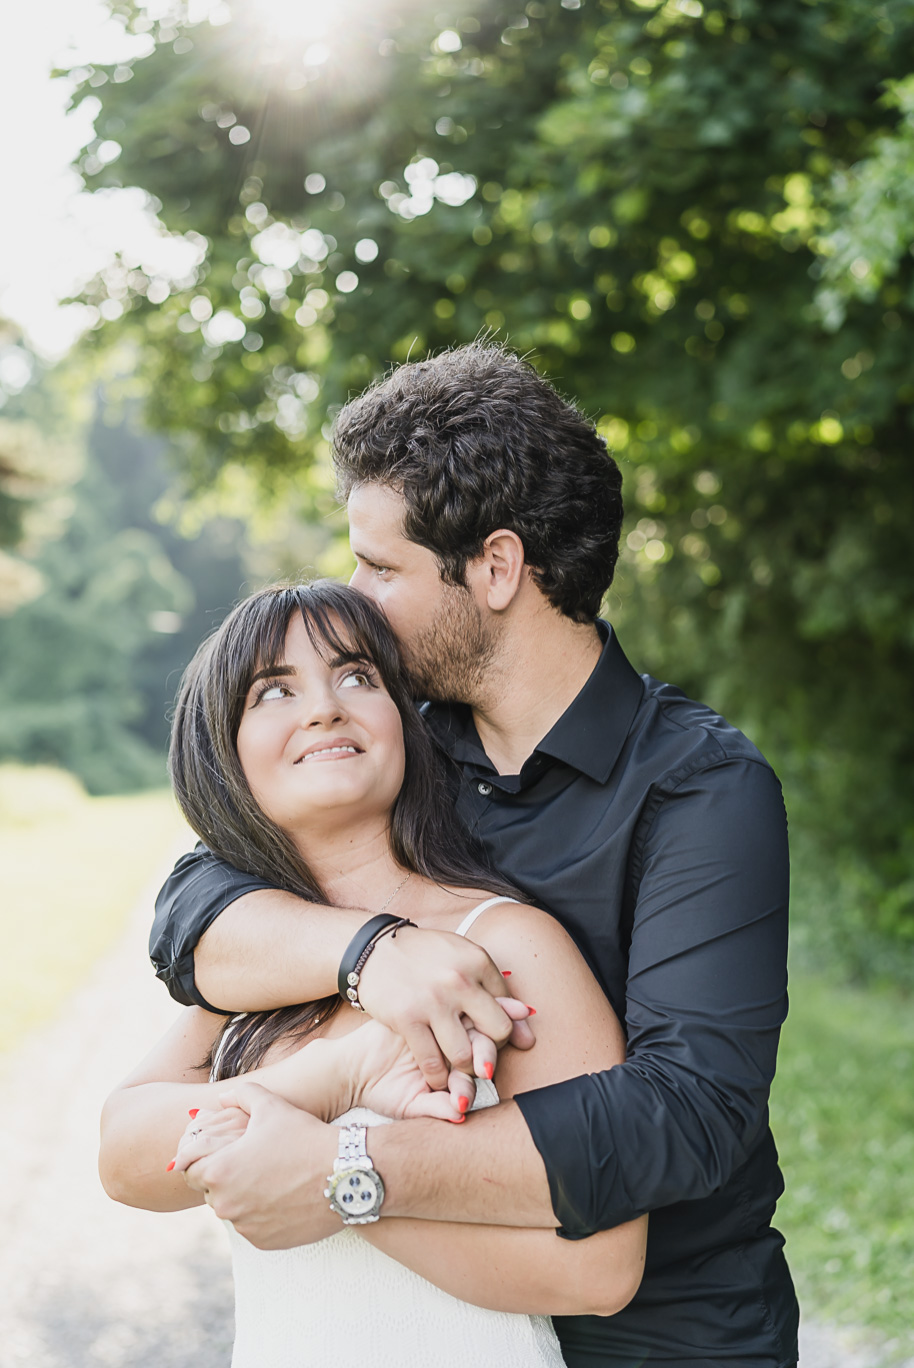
[(357, 1193)]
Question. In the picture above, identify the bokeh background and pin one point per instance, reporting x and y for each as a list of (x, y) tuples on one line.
[(697, 218)]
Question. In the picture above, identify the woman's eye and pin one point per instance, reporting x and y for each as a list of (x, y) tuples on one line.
[(356, 679), (269, 692)]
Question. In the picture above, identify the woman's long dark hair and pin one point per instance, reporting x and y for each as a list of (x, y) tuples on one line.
[(425, 835)]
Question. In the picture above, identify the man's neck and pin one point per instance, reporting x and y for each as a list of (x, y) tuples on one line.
[(537, 676)]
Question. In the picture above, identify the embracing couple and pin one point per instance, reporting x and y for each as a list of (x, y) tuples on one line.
[(384, 895)]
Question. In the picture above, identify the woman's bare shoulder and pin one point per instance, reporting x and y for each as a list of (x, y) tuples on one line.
[(521, 924)]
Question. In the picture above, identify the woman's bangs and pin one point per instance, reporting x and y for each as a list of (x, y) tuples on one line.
[(336, 628), (337, 622)]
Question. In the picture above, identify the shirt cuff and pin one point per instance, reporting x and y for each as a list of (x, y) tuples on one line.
[(558, 1121)]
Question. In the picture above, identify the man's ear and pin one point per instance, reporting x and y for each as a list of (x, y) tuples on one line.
[(497, 575)]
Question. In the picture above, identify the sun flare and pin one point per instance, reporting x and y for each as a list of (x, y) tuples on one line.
[(302, 19)]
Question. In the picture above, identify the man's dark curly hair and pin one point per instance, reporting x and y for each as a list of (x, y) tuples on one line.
[(475, 439)]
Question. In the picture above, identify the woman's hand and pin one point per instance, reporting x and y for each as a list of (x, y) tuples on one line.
[(208, 1131), (385, 1077)]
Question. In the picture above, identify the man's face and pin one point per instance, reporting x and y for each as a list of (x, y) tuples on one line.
[(445, 637)]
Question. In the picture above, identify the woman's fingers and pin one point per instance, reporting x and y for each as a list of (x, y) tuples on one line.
[(485, 1051), (522, 1036), (206, 1132), (462, 1091), (199, 1148), (485, 1054), (439, 1105)]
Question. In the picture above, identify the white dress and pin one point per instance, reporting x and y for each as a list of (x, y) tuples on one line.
[(341, 1300)]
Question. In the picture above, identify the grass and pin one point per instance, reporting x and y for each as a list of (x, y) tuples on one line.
[(843, 1118), (72, 868)]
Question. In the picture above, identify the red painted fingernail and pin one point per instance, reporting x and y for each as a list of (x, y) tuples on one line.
[(531, 1010), (488, 1069), (169, 1167), (193, 1112), (457, 1120), (506, 973), (462, 1103)]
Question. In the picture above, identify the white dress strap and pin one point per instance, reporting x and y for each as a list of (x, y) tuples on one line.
[(470, 917)]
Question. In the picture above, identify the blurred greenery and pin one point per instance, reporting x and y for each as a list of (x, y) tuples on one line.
[(842, 1110), (130, 584), (34, 474), (58, 914), (697, 219)]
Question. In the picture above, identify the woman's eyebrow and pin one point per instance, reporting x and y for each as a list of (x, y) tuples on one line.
[(349, 658), (273, 670)]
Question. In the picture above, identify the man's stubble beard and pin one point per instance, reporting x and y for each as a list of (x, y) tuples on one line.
[(448, 660)]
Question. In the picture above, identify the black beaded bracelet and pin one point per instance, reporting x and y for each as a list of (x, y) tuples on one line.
[(358, 950)]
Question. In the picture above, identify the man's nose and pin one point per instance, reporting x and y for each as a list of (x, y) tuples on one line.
[(361, 579)]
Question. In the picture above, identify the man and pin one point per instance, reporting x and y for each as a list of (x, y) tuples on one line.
[(484, 517)]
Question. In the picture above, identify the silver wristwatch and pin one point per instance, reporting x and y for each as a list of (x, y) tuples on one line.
[(354, 1187)]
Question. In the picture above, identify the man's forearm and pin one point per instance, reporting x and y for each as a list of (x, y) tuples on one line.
[(270, 949), (487, 1171)]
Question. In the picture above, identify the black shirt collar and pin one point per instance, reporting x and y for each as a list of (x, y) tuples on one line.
[(589, 735)]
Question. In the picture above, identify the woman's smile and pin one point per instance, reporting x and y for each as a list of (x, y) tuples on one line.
[(330, 750)]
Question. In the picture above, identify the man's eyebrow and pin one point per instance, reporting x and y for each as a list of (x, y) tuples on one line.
[(369, 560), (272, 671)]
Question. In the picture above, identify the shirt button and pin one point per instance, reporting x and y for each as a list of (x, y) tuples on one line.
[(483, 788)]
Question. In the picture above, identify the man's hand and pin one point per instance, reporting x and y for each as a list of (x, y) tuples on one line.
[(427, 986), (270, 1182)]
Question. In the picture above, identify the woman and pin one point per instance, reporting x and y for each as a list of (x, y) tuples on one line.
[(297, 754)]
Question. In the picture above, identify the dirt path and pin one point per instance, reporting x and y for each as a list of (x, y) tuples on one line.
[(85, 1283)]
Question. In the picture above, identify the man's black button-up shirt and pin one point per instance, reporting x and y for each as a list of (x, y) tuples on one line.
[(655, 832)]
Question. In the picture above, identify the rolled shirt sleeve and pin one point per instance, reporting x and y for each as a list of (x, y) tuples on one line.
[(199, 888), (706, 997)]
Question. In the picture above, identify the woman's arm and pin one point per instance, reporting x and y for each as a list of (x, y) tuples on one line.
[(534, 1271), (146, 1115)]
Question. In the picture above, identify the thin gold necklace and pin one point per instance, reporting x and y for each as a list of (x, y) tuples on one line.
[(401, 884)]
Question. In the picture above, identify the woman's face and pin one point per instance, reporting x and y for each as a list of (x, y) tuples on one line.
[(320, 739)]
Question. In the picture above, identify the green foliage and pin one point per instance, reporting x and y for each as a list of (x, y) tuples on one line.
[(667, 205), (89, 667), (35, 470), (873, 213), (67, 659), (843, 1117)]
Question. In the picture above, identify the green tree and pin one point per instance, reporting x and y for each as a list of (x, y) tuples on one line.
[(35, 470), (665, 202), (89, 666)]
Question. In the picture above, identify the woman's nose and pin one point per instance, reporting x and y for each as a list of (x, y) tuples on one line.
[(324, 708)]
